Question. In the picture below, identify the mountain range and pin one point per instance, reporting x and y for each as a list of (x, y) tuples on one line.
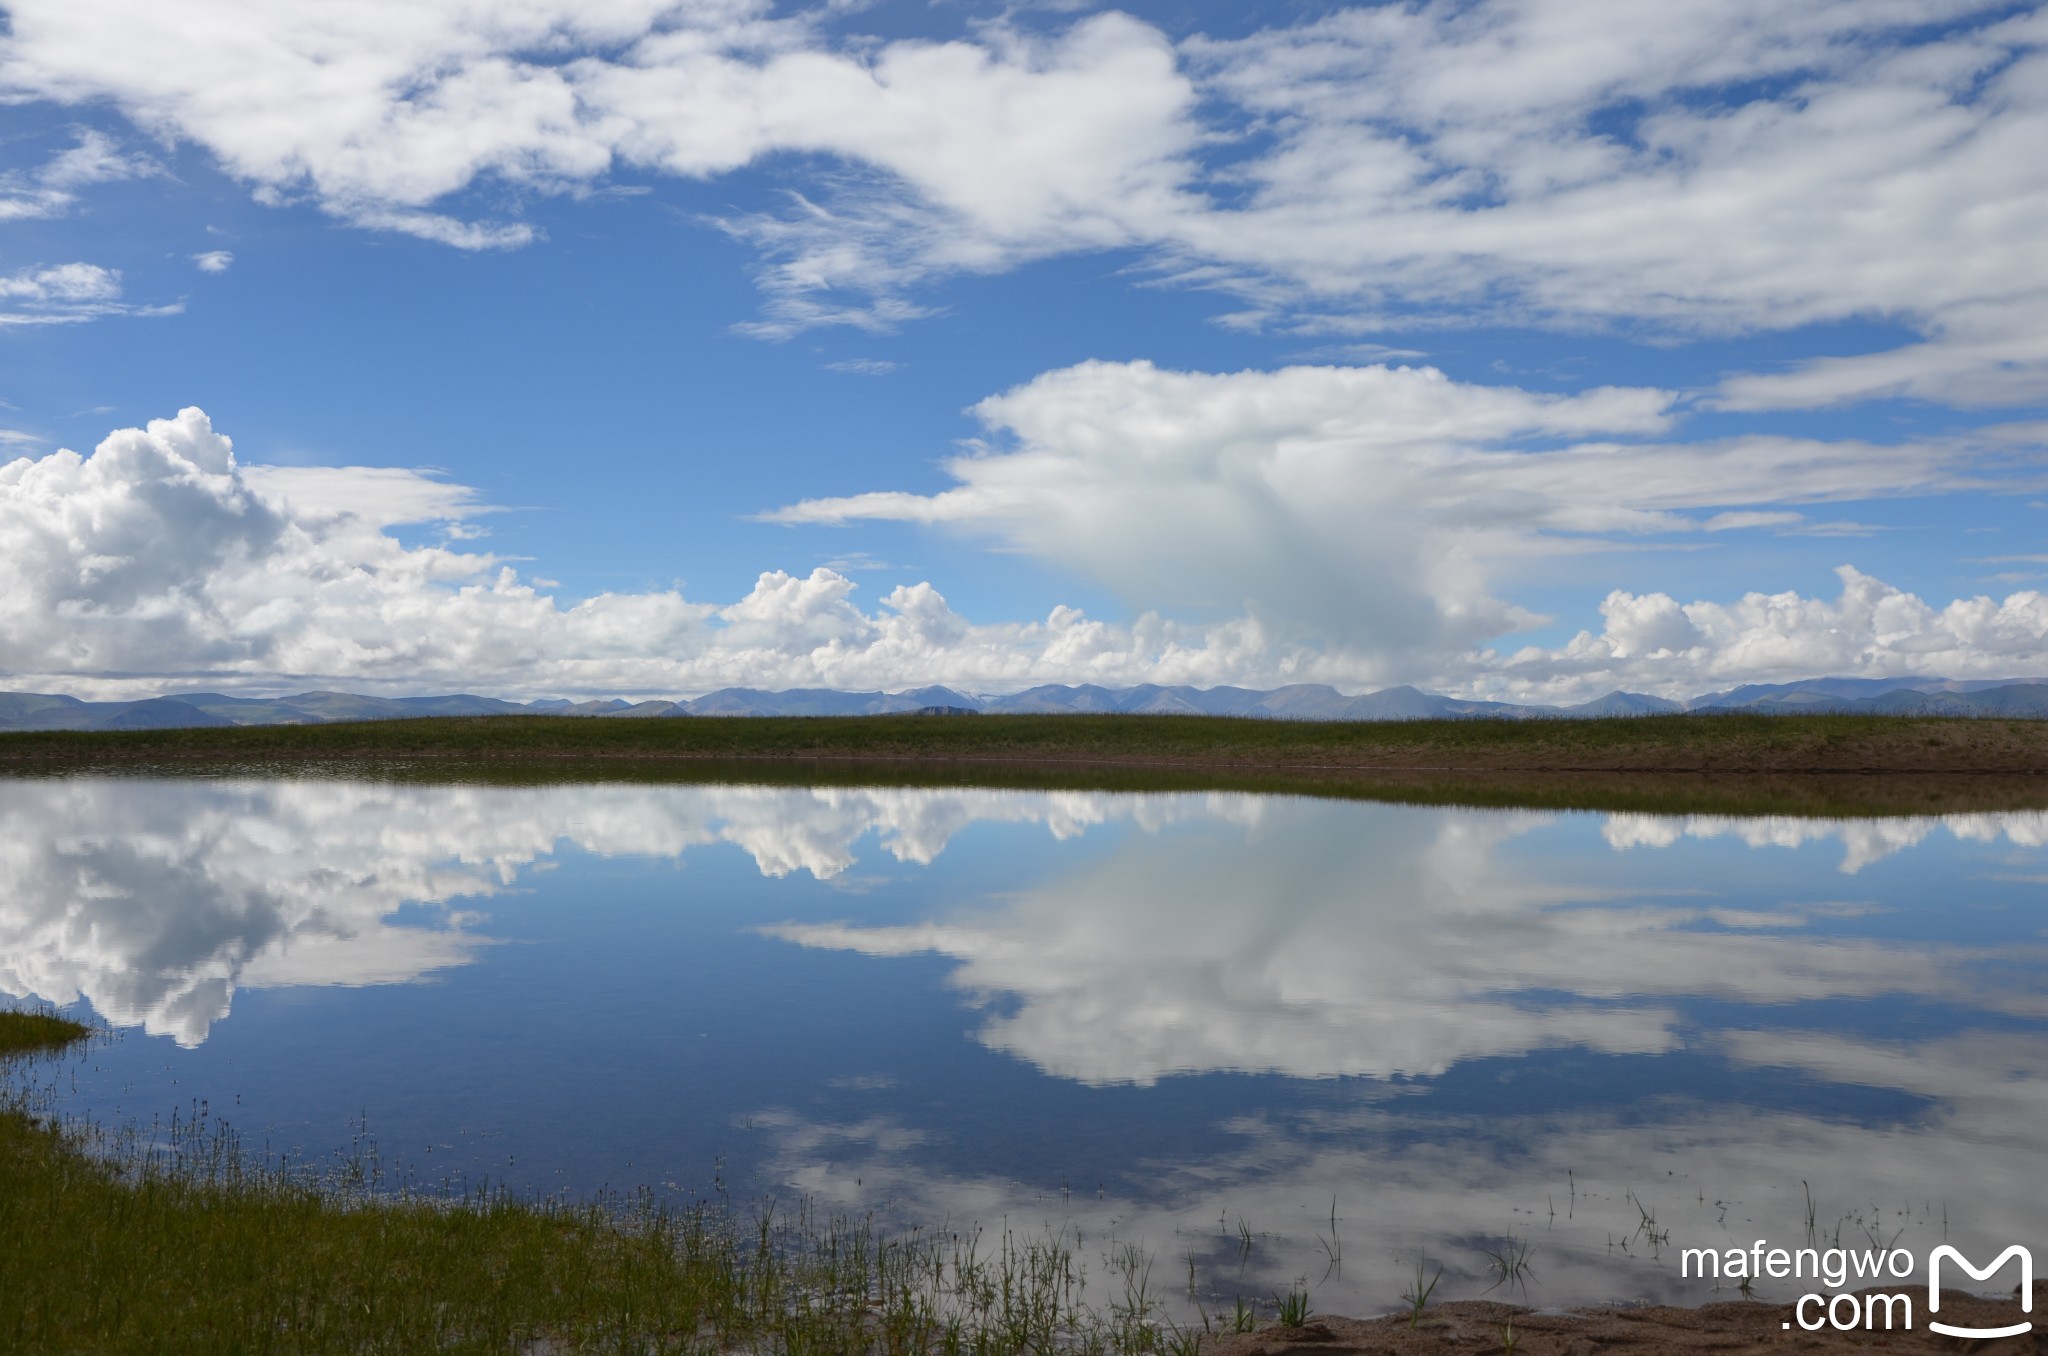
[(2022, 697)]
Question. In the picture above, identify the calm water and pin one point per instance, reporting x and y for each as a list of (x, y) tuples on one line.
[(1179, 1021)]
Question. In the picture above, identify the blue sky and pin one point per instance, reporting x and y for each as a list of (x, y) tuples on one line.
[(1513, 349)]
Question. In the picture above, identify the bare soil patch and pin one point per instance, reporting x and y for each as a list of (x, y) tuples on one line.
[(1463, 1328)]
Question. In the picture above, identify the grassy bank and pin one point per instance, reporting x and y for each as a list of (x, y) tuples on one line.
[(184, 1244), (1729, 743)]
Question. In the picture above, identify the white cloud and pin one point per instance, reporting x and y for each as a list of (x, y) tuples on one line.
[(1652, 643), (1738, 519), (159, 557), (1310, 491), (1694, 166), (1360, 515), (65, 294), (52, 190), (985, 152), (381, 496), (1361, 509), (1700, 166), (214, 261)]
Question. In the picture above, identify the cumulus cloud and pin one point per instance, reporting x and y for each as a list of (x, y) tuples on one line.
[(160, 557), (1699, 166), (1652, 643), (1359, 515), (214, 261), (1323, 525)]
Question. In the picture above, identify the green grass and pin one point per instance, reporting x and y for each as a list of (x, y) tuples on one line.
[(1691, 743), (176, 1240), (1418, 1294), (24, 1033)]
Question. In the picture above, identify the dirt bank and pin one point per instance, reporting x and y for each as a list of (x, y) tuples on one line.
[(1722, 1329)]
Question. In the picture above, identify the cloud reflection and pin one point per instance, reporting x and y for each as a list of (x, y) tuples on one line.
[(1864, 841), (1223, 932), (1334, 939), (156, 899), (1405, 1179)]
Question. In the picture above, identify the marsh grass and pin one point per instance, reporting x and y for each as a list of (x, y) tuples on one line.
[(1510, 1264), (25, 1033), (176, 1238)]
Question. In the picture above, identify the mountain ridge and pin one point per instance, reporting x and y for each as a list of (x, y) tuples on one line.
[(2014, 697)]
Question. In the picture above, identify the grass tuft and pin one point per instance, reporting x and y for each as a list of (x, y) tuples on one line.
[(1417, 1295), (24, 1033)]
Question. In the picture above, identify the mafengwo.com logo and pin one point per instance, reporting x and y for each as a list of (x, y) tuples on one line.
[(1837, 1268)]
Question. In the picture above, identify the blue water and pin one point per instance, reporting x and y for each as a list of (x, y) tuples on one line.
[(1171, 1020)]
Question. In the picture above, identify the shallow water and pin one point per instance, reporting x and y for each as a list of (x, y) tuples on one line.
[(1267, 1039)]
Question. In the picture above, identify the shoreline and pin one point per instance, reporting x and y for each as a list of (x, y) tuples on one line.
[(1726, 1328)]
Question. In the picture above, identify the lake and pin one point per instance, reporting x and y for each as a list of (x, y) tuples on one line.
[(1266, 1039)]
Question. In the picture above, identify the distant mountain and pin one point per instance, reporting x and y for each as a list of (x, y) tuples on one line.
[(1299, 701), (2026, 697), (1624, 704), (1809, 691), (49, 711)]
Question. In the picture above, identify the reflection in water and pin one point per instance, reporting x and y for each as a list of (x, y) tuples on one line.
[(1324, 943), (1216, 1009), (1569, 1181), (156, 899), (1863, 840)]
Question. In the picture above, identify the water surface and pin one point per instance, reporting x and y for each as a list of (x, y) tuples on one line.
[(1265, 1038)]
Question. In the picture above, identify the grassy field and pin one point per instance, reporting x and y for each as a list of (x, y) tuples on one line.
[(176, 1241), (1730, 743), (1818, 765)]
